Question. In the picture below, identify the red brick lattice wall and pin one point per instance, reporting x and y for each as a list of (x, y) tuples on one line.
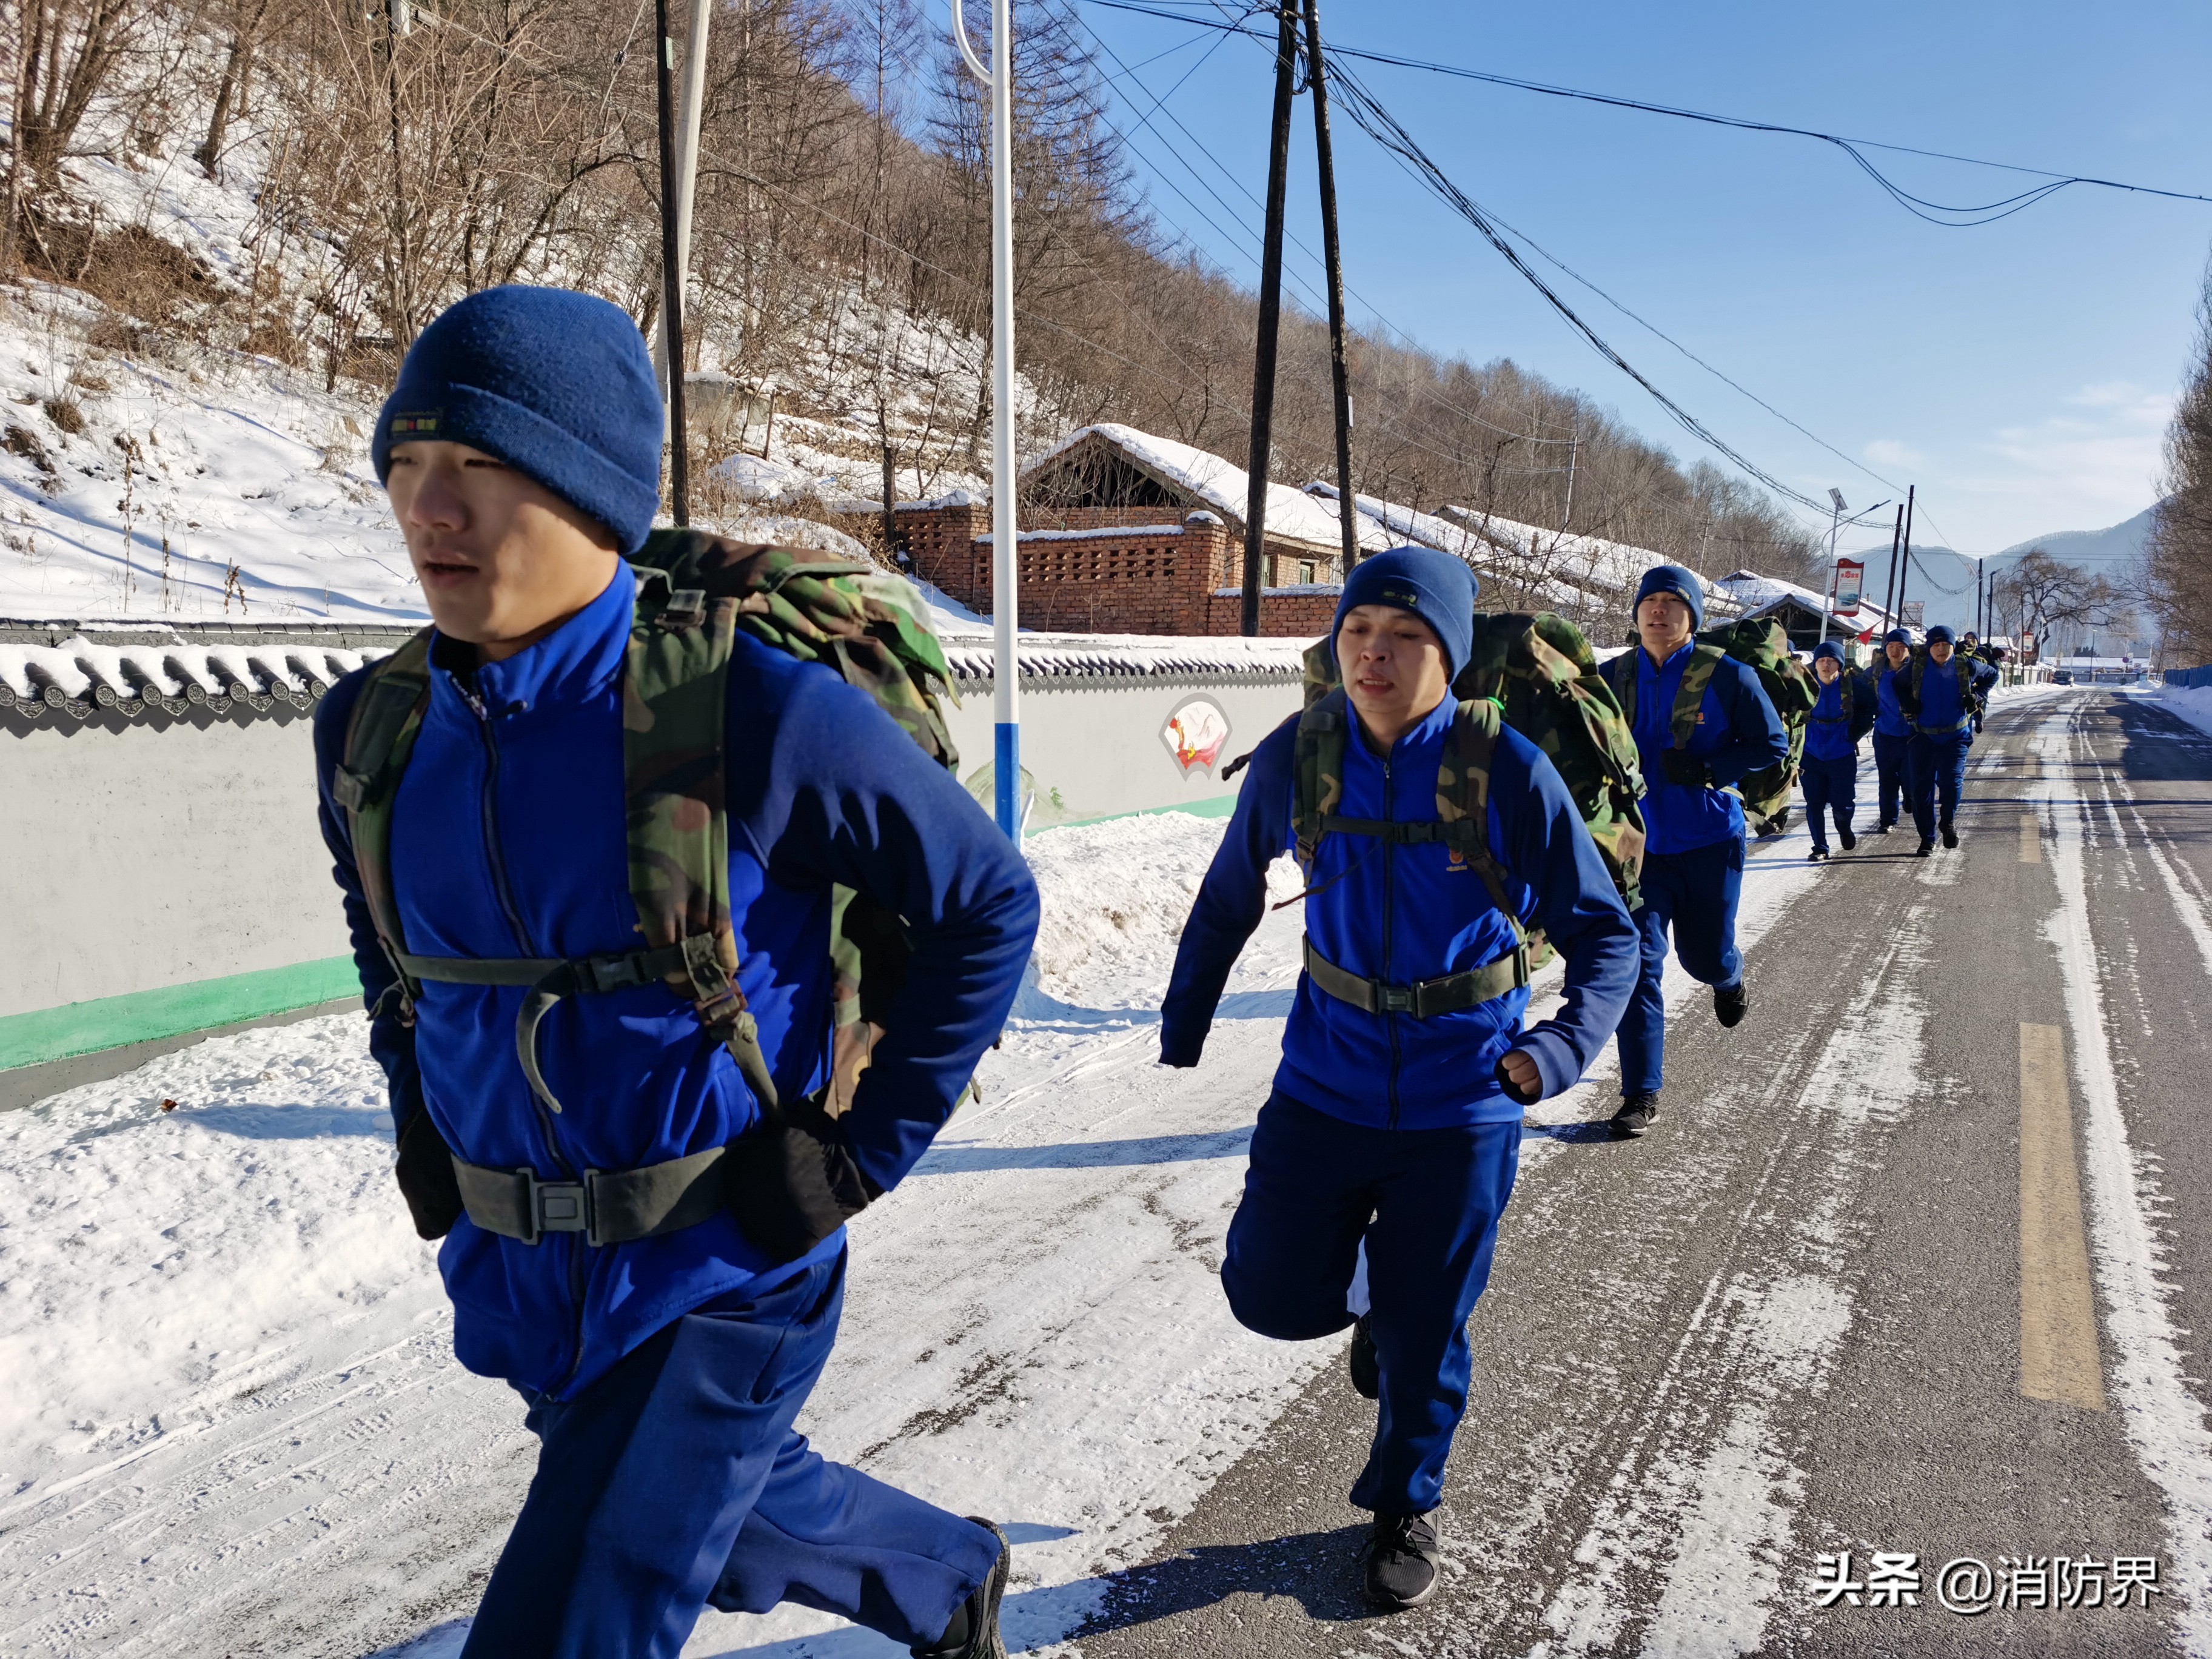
[(1159, 579)]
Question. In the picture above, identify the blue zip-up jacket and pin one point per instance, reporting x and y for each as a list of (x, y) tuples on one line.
[(1942, 712), (1738, 733), (507, 840), (1401, 914), (1829, 735), (1890, 721)]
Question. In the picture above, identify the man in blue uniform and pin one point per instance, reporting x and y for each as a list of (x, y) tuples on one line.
[(1843, 714), (1702, 722), (1940, 693), (1396, 1116), (662, 1367), (1893, 732)]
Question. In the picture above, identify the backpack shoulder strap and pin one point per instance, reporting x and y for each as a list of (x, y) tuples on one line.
[(676, 803), (387, 715), (1620, 673), (1317, 772), (1690, 693), (1463, 796)]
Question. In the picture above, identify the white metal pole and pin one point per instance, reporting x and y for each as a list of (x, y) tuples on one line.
[(1006, 677)]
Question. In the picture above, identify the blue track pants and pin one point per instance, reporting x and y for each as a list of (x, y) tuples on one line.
[(676, 1481), (1831, 786), (1427, 1203), (1938, 774), (1693, 897), (1890, 794)]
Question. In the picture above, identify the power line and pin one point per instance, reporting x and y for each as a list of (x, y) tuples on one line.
[(1960, 216)]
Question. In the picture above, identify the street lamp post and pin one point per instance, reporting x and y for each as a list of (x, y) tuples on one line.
[(1005, 676)]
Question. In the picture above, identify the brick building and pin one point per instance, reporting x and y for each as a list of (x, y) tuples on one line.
[(1123, 532)]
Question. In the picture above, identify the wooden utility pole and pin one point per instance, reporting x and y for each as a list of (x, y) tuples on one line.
[(1347, 509), (1905, 569), (1271, 316), (1889, 583), (671, 272)]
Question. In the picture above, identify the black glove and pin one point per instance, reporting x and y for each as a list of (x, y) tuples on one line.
[(792, 1181), (1686, 768), (427, 1182)]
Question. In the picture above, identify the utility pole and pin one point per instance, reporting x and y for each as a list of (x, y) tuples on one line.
[(1574, 447), (1981, 605), (1889, 583), (672, 274), (687, 161), (1905, 570), (1828, 588), (1347, 511), (1005, 663), (1271, 316)]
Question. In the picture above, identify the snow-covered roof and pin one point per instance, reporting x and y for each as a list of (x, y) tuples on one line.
[(1757, 594), (1293, 515), (1566, 566), (1132, 656)]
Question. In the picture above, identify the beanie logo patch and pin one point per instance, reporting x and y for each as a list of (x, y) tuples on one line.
[(1401, 596), (420, 424)]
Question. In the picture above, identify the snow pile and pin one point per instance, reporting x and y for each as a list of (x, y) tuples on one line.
[(2191, 702), (81, 674), (1116, 894)]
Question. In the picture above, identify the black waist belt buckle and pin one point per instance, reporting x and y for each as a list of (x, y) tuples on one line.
[(558, 1206), (1395, 999)]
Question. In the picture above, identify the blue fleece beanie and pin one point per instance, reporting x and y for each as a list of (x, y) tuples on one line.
[(1942, 631), (558, 384), (1435, 587), (1897, 636), (1828, 648), (1683, 584)]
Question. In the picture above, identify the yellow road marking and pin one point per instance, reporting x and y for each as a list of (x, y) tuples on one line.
[(2058, 1309), (2031, 839)]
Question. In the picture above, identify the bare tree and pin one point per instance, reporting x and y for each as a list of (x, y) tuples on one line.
[(2050, 600), (2177, 586)]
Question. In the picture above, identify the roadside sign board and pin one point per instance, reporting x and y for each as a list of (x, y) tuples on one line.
[(1846, 588)]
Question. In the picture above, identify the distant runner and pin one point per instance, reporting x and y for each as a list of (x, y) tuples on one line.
[(1893, 732), (1940, 691), (1433, 839), (1844, 714)]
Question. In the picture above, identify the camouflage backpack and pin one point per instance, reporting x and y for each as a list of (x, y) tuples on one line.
[(1540, 673), (1969, 701), (695, 593), (1761, 645), (1462, 827)]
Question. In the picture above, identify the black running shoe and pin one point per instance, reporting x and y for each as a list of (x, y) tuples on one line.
[(1363, 1362), (1850, 841), (1400, 1560), (1731, 1003), (1882, 828), (972, 1632), (1950, 836), (1816, 855), (1923, 850), (1635, 1115)]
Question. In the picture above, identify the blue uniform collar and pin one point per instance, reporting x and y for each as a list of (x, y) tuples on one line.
[(1431, 726), (1676, 656), (572, 663)]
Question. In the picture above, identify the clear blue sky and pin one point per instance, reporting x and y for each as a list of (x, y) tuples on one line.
[(2019, 373)]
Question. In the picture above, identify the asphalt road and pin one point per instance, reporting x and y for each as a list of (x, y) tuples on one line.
[(1908, 1264)]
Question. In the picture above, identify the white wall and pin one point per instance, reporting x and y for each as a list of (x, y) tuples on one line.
[(154, 855), (141, 854), (1098, 742)]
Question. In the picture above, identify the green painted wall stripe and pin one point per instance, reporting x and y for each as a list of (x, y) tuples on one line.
[(84, 1028), (1218, 806)]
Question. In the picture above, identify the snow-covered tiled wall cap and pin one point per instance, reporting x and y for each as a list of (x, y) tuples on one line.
[(136, 669), (1070, 656)]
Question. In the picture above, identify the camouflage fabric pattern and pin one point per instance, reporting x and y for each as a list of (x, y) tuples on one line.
[(1541, 672), (872, 627), (1762, 644)]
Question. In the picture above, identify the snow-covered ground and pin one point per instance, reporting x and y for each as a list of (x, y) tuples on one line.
[(2192, 703), (233, 1413)]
